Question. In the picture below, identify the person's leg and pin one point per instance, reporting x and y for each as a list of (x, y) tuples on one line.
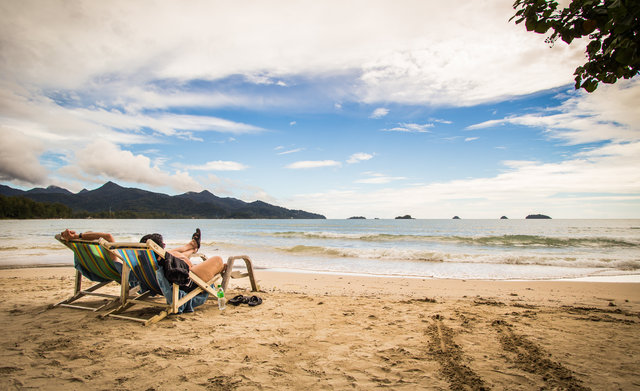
[(190, 248), (187, 249), (209, 268)]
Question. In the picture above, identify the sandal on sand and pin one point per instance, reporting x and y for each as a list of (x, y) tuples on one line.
[(197, 236), (237, 300), (254, 301)]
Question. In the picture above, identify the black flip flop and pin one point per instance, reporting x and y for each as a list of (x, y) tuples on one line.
[(254, 301), (237, 300), (197, 236)]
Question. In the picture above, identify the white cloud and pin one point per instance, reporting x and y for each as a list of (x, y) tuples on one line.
[(378, 179), (166, 123), (424, 52), (410, 128), (379, 113), (237, 189), (19, 157), (470, 139), (313, 164), (291, 151), (359, 157), (609, 113), (292, 123), (218, 165), (103, 160)]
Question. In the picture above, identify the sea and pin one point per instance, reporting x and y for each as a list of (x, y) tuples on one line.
[(508, 249)]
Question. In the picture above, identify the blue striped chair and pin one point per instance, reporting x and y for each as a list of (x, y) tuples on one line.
[(142, 260)]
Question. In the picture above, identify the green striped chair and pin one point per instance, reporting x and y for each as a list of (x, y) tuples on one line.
[(94, 262)]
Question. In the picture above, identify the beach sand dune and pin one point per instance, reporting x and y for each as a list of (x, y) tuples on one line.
[(326, 332)]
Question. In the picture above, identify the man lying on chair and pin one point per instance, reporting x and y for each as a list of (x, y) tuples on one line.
[(205, 269)]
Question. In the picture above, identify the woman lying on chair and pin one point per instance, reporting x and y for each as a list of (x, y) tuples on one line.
[(68, 234)]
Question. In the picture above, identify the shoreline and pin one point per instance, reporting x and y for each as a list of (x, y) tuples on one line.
[(614, 278), (317, 332)]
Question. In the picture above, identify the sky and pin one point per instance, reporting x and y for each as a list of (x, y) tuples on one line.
[(344, 108)]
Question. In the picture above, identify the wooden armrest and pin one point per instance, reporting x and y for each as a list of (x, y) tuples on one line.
[(156, 248)]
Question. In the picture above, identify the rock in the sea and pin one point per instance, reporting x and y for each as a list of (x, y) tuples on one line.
[(504, 218), (538, 216), (405, 217), (456, 218)]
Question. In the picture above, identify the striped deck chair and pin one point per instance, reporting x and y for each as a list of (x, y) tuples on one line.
[(142, 260), (94, 263)]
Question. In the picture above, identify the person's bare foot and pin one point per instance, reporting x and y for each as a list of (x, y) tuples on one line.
[(196, 237)]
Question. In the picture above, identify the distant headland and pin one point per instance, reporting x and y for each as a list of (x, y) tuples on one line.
[(117, 202)]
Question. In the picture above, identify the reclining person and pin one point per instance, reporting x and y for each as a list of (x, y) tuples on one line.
[(68, 234), (206, 270)]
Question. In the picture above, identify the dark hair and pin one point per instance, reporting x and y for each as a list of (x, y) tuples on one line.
[(157, 238)]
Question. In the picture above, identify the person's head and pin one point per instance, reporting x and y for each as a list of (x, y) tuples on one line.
[(157, 238)]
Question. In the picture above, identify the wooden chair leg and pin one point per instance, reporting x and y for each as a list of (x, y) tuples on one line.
[(228, 271)]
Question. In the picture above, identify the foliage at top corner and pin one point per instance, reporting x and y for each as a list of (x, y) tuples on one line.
[(612, 27)]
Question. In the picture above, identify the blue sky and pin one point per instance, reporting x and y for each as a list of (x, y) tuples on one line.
[(375, 108)]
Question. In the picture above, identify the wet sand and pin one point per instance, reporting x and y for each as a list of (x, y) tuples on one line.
[(331, 332)]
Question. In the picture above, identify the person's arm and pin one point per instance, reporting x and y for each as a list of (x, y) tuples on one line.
[(89, 235)]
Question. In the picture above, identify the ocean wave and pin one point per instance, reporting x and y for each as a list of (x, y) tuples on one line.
[(498, 241), (394, 254), (26, 247)]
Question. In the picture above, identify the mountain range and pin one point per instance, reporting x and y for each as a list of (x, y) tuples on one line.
[(112, 198)]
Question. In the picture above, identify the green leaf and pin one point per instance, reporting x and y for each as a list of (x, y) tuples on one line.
[(567, 37), (590, 85), (624, 56), (593, 47), (541, 28), (610, 79), (588, 26), (531, 24)]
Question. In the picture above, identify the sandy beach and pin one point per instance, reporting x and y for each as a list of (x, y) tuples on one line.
[(316, 331)]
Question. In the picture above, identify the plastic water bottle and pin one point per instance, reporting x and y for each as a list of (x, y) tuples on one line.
[(221, 299)]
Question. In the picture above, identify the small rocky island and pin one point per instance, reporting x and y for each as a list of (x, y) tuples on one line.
[(405, 217), (538, 216), (504, 218), (357, 218), (456, 217)]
